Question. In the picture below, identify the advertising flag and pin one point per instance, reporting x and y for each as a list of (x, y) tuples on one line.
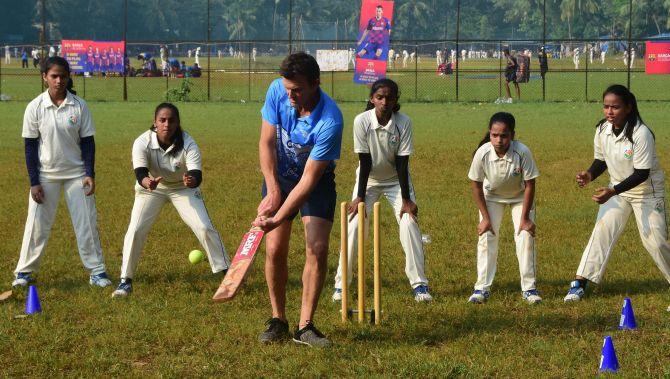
[(373, 40), (657, 57), (94, 56)]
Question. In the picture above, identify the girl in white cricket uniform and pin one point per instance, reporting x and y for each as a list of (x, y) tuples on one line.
[(503, 173), (383, 142), (60, 153), (626, 148), (168, 168)]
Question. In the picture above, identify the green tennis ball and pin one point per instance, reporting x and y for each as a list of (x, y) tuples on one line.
[(196, 256)]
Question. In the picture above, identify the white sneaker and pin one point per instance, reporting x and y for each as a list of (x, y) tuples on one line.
[(337, 295), (421, 294), (100, 280), (575, 293), (124, 289), (22, 279), (479, 297), (532, 296)]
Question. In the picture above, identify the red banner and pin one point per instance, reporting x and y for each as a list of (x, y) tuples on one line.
[(373, 40), (93, 56), (657, 58)]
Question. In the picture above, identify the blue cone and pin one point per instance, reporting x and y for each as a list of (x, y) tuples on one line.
[(627, 320), (33, 301), (608, 361)]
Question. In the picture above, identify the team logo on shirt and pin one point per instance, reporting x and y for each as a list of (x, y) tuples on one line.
[(516, 171), (660, 206), (393, 140), (73, 119), (628, 153), (177, 166)]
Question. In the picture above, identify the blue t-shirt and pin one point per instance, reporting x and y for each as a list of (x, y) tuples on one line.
[(317, 136)]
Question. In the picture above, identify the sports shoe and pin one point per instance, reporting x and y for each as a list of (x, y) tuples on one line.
[(22, 279), (337, 295), (479, 297), (124, 289), (100, 280), (575, 293), (311, 336), (421, 294), (277, 331), (532, 296)]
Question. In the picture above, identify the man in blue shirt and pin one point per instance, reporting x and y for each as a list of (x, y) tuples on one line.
[(301, 136)]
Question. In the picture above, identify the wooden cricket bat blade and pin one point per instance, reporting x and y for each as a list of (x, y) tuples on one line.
[(244, 257)]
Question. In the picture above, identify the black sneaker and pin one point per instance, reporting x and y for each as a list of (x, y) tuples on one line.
[(277, 331), (311, 336)]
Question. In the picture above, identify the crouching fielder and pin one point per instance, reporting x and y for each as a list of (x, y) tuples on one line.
[(383, 141), (625, 147), (503, 173), (168, 168)]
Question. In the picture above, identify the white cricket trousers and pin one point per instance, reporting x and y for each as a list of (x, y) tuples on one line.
[(41, 217), (191, 209), (612, 219), (487, 247), (410, 235)]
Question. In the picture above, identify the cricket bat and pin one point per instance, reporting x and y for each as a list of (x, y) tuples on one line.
[(240, 266)]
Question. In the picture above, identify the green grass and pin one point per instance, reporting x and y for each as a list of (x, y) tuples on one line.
[(479, 80), (169, 327)]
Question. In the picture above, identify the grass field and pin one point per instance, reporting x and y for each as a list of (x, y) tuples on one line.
[(169, 327), (236, 80)]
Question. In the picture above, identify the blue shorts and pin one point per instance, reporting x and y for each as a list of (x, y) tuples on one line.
[(320, 203)]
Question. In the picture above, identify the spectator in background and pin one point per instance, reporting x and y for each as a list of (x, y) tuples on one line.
[(196, 72), (544, 63), (8, 55), (510, 74), (24, 59)]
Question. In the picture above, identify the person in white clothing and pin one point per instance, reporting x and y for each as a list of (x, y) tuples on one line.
[(168, 168), (575, 57), (626, 148), (405, 58), (632, 57), (438, 57), (503, 173), (60, 154), (197, 55), (8, 55), (383, 142)]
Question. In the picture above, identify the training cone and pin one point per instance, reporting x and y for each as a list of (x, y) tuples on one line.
[(33, 301), (608, 361), (627, 320)]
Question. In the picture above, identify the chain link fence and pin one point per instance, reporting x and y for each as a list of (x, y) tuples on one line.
[(240, 71)]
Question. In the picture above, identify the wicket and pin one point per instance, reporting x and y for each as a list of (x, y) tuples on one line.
[(375, 312)]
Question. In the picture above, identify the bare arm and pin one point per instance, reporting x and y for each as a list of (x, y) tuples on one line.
[(528, 198), (267, 153), (310, 177)]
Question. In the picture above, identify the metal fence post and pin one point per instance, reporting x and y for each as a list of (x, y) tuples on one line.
[(125, 53), (209, 54), (416, 71), (499, 69), (586, 76), (458, 32), (630, 27), (249, 72), (544, 44)]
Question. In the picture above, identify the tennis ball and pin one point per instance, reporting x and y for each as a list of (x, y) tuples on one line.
[(196, 256)]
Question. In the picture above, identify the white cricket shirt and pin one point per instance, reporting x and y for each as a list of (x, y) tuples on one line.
[(504, 178), (623, 156), (383, 143), (59, 130), (148, 153)]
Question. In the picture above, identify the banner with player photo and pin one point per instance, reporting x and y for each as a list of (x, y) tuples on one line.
[(657, 57), (93, 56), (373, 40)]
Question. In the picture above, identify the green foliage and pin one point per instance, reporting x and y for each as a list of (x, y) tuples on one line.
[(181, 92), (171, 20)]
